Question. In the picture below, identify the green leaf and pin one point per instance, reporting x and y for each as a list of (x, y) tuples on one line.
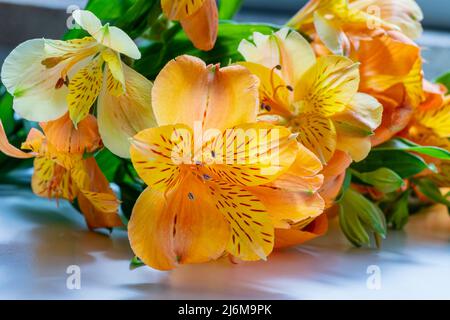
[(444, 79), (398, 216), (358, 216), (228, 8), (384, 179), (431, 191), (403, 163), (136, 263), (406, 145), (108, 163), (345, 185), (6, 110)]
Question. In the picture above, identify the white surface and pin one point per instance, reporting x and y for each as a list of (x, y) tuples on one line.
[(39, 241)]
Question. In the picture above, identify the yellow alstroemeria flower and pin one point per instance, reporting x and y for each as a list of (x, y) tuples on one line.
[(430, 126), (335, 21), (49, 77), (317, 98), (61, 172), (210, 194), (199, 19)]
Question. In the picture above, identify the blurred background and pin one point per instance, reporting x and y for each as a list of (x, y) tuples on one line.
[(24, 19)]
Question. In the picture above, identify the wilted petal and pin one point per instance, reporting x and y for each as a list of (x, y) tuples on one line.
[(97, 202)]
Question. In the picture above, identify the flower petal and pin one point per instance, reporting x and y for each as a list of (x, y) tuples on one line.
[(364, 114), (9, 149), (296, 55), (182, 226), (51, 180), (111, 37), (104, 202), (32, 84), (406, 14), (201, 27), (285, 206), (84, 89), (292, 237), (328, 86), (66, 138), (119, 41), (180, 9), (189, 92), (357, 147), (97, 201), (116, 77), (274, 93), (88, 21), (156, 154), (251, 227), (389, 60), (331, 35), (263, 51), (437, 119), (251, 154), (317, 133), (122, 117), (303, 175)]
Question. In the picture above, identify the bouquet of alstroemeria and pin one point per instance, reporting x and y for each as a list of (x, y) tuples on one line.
[(230, 139)]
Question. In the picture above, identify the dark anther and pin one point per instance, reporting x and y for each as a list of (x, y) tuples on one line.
[(278, 67), (268, 108), (59, 83), (290, 88), (206, 177), (213, 153), (191, 196)]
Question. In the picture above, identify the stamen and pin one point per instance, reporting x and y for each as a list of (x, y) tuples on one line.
[(59, 83), (206, 177), (191, 196)]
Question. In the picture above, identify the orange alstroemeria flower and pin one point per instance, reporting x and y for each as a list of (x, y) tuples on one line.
[(430, 126), (216, 192), (199, 19), (391, 71), (61, 172), (317, 98), (298, 233), (338, 24)]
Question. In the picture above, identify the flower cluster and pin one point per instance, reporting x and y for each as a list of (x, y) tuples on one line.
[(304, 123)]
